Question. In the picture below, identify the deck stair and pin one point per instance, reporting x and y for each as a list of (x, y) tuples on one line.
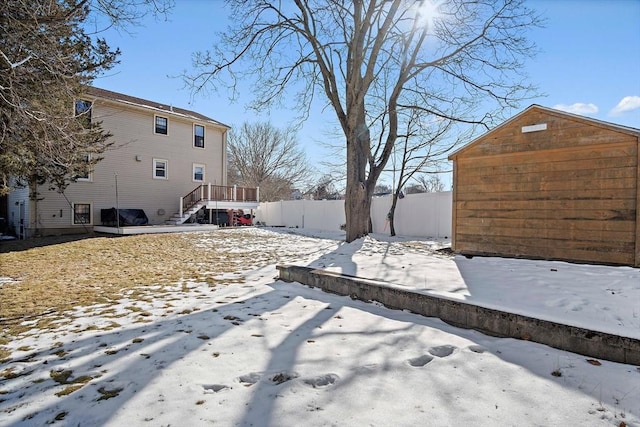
[(178, 219), (214, 197)]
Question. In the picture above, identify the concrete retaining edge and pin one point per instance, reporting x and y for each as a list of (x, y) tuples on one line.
[(493, 322)]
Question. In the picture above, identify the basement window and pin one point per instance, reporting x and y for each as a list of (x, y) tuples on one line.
[(81, 214)]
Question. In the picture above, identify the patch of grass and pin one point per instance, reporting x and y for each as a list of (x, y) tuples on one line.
[(8, 374), (61, 377), (108, 394), (69, 389), (61, 353), (82, 272), (5, 354), (137, 340), (110, 326), (24, 348)]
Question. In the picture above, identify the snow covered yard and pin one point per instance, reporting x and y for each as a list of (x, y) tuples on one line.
[(228, 344)]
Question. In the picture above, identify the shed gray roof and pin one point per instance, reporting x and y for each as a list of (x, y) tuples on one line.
[(145, 103)]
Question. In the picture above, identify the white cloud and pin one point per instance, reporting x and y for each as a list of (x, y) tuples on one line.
[(627, 103), (578, 108)]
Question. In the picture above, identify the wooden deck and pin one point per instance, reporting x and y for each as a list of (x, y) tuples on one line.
[(153, 229)]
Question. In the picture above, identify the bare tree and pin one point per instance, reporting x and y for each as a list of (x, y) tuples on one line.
[(47, 57), (458, 60), (420, 147), (432, 183), (267, 157), (325, 188)]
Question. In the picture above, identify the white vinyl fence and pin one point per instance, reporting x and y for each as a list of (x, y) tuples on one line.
[(419, 215)]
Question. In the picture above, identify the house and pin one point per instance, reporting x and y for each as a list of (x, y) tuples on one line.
[(548, 184), (169, 162)]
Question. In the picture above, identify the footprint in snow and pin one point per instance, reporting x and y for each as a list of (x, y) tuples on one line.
[(322, 380), (249, 379), (477, 349), (278, 378), (420, 361), (214, 388), (442, 350), (283, 377)]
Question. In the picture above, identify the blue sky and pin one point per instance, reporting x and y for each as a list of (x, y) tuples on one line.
[(589, 64)]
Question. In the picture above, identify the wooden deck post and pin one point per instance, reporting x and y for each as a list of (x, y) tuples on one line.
[(181, 204), (209, 191)]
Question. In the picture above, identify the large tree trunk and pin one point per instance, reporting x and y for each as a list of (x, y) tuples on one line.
[(359, 189), (357, 207)]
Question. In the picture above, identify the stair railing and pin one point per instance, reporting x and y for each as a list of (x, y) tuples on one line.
[(219, 193), (191, 199)]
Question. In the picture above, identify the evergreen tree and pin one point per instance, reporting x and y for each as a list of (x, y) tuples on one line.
[(46, 59)]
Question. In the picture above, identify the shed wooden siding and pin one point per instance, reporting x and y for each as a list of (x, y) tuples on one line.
[(568, 192)]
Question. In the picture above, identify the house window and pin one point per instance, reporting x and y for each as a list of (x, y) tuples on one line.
[(83, 111), (162, 125), (160, 169), (86, 176), (198, 136), (198, 173), (81, 214)]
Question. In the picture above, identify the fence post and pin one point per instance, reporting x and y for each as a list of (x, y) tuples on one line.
[(235, 189), (257, 194)]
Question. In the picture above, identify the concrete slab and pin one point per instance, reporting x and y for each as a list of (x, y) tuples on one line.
[(493, 322)]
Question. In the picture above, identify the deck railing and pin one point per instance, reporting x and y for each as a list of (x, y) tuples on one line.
[(221, 193)]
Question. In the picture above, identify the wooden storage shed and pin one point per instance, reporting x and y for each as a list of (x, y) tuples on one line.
[(549, 185)]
